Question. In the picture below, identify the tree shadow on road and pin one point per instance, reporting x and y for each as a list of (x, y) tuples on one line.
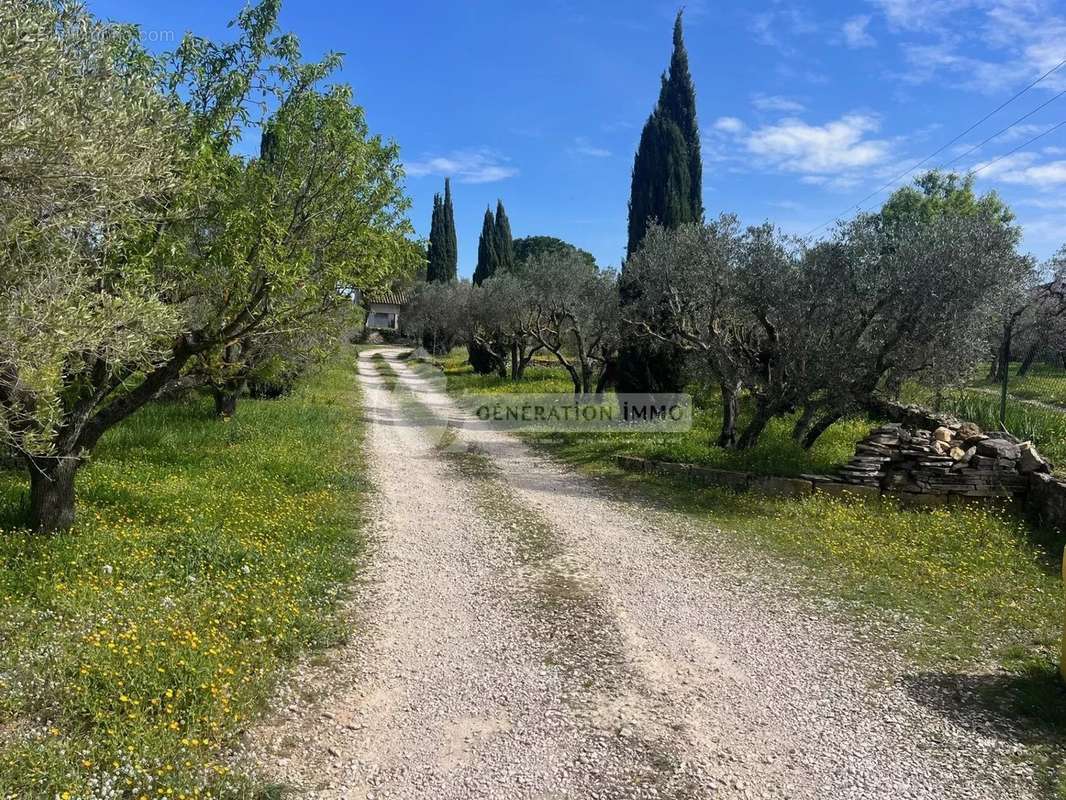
[(1028, 706)]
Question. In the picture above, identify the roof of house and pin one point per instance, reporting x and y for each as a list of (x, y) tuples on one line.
[(401, 298)]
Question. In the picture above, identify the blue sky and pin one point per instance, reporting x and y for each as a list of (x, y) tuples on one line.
[(804, 108)]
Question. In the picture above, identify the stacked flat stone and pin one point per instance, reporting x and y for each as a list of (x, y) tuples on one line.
[(950, 459), (873, 455)]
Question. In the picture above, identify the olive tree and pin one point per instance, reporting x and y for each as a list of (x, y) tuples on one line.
[(90, 159), (1036, 320), (689, 296), (576, 315), (171, 246), (498, 320), (436, 314), (912, 303), (822, 329)]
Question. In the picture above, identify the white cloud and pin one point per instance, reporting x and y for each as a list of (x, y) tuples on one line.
[(837, 146), (729, 125), (466, 166), (583, 147), (855, 33), (919, 14), (991, 46), (776, 102), (1025, 169), (781, 26), (927, 61), (1054, 201)]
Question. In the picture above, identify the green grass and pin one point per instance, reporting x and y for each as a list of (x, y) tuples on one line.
[(1044, 427), (206, 556), (980, 402)]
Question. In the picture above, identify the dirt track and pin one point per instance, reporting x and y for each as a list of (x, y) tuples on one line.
[(523, 634)]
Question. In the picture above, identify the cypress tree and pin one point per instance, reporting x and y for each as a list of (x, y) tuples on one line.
[(667, 170), (434, 251), (487, 257), (504, 242), (667, 187), (451, 243), (677, 98), (487, 264)]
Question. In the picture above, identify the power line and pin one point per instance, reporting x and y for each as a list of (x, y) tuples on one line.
[(1004, 130), (1024, 144), (945, 146)]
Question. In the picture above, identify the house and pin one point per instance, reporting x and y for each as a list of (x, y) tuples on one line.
[(383, 311)]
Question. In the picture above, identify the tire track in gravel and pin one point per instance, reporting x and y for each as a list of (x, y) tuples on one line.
[(767, 693), (482, 665)]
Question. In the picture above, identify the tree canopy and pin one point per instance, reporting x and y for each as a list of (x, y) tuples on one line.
[(139, 242), (530, 247)]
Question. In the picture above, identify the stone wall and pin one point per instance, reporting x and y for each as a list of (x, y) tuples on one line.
[(1046, 502), (956, 458), (910, 416), (774, 485)]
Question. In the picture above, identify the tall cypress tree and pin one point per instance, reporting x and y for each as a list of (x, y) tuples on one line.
[(667, 181), (451, 243), (504, 242), (487, 257), (487, 264), (677, 98), (667, 187), (435, 249)]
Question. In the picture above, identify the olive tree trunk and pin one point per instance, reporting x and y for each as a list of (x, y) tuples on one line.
[(226, 395), (750, 437), (52, 493), (1030, 357), (730, 414)]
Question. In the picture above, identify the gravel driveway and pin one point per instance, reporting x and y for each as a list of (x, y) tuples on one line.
[(521, 633)]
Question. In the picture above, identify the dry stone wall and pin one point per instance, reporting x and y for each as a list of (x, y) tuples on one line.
[(958, 458)]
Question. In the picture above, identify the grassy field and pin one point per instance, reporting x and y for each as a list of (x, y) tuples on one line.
[(1044, 427), (979, 587), (206, 555)]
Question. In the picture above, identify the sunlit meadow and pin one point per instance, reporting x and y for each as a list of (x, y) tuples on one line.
[(206, 555)]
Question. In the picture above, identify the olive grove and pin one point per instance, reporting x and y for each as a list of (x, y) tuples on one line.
[(820, 328)]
